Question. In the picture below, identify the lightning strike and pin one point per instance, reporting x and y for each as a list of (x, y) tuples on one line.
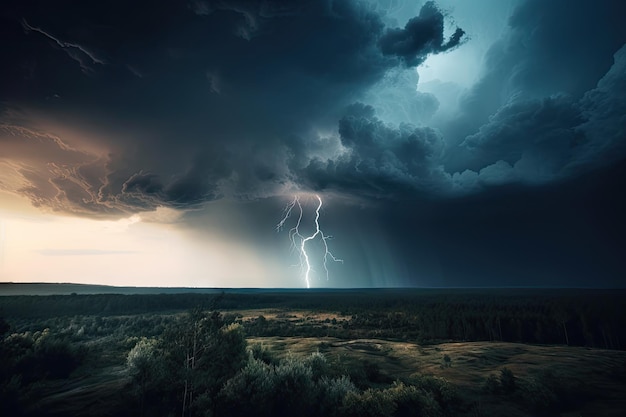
[(299, 241)]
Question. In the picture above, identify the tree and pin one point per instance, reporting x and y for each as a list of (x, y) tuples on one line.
[(144, 366), (562, 317), (202, 353)]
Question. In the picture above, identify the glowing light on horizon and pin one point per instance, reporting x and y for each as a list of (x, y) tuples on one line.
[(299, 241)]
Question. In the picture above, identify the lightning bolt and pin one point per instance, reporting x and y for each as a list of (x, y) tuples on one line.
[(299, 241)]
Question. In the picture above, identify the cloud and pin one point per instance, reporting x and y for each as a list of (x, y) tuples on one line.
[(253, 99), (378, 159), (422, 35), (553, 138), (605, 125), (211, 101), (546, 51), (526, 141)]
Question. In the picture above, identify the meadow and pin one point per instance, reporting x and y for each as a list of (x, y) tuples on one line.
[(409, 352)]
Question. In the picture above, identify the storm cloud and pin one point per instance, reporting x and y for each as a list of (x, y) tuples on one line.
[(205, 103), (453, 143), (128, 108)]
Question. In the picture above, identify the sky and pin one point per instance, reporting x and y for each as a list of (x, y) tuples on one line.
[(422, 144)]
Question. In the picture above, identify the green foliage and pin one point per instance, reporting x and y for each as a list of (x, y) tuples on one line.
[(42, 355), (256, 384), (364, 373), (442, 391), (331, 393), (491, 385), (446, 361), (201, 359), (28, 358), (295, 386), (146, 370), (412, 401), (186, 368), (548, 393), (504, 384), (319, 365), (262, 353), (370, 403), (596, 319), (507, 381), (538, 396), (424, 396)]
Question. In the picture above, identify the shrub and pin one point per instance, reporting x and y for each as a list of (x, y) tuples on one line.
[(443, 392), (294, 385), (447, 361), (370, 403), (263, 354), (318, 364), (507, 381), (331, 394), (491, 385), (412, 401), (250, 392)]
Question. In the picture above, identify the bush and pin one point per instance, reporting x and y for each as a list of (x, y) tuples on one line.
[(58, 358), (263, 354), (288, 388), (250, 392), (491, 385), (331, 393), (318, 364), (446, 362), (443, 392), (412, 401), (370, 403), (507, 381), (294, 385), (538, 397), (548, 393), (505, 384)]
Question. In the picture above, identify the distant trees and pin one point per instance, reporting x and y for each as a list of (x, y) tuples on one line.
[(589, 318)]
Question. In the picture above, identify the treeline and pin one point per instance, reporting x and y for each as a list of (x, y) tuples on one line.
[(594, 318)]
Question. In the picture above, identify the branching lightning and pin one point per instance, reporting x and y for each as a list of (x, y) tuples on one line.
[(299, 241)]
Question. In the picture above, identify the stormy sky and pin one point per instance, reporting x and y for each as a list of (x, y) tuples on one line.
[(453, 143)]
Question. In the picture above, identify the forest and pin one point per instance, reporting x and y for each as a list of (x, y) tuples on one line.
[(402, 352)]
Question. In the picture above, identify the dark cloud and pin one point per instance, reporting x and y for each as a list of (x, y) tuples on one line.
[(422, 35), (113, 108), (378, 159), (553, 138), (192, 102), (252, 99), (556, 47)]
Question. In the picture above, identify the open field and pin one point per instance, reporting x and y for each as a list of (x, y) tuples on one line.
[(602, 372), (375, 341)]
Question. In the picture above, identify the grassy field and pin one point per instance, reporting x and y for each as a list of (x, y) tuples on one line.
[(502, 351), (596, 376)]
